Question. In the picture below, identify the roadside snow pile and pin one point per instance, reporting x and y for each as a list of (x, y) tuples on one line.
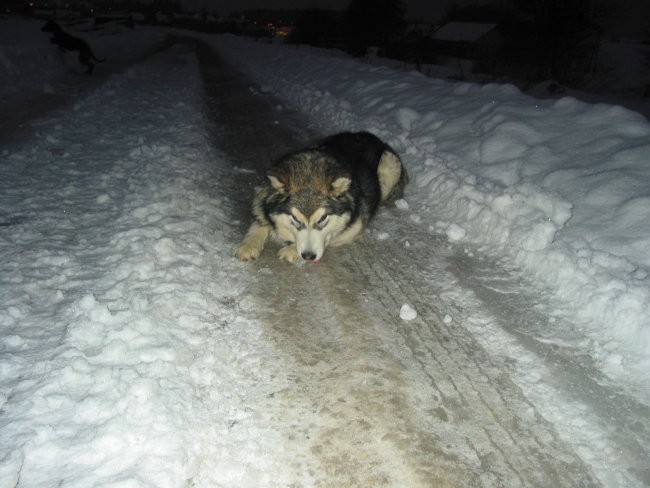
[(129, 357), (560, 187)]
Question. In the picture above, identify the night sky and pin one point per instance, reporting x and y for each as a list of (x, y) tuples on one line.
[(633, 15), (429, 10)]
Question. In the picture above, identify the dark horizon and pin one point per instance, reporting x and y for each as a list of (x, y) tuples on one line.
[(415, 9), (631, 15)]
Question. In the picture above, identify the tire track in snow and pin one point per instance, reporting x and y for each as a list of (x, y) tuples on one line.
[(514, 446), (334, 440), (349, 392)]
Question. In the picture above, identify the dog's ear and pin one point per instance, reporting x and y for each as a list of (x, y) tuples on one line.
[(340, 185), (277, 177), (276, 183)]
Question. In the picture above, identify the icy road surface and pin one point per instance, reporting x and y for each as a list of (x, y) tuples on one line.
[(136, 351)]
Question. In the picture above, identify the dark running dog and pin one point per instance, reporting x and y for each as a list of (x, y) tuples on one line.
[(323, 196), (66, 42)]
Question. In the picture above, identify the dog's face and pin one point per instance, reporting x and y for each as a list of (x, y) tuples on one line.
[(314, 206), (311, 233)]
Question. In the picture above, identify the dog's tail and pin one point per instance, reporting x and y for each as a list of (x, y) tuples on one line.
[(393, 177)]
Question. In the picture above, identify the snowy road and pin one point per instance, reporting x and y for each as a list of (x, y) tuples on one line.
[(138, 352), (376, 400)]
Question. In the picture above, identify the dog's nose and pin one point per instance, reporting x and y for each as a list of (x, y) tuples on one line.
[(308, 255)]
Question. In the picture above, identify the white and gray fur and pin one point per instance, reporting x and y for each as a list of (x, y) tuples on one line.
[(323, 196)]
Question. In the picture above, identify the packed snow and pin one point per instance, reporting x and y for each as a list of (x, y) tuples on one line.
[(407, 312), (122, 308)]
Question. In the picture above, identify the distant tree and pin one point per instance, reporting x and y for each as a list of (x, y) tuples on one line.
[(318, 28), (373, 23), (563, 36)]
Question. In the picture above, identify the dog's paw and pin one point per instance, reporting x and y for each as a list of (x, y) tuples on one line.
[(246, 252), (289, 253)]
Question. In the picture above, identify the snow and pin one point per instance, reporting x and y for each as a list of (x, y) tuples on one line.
[(131, 352), (407, 312), (112, 323), (559, 187), (402, 204)]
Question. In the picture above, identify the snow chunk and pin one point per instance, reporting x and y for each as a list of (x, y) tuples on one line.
[(455, 233), (87, 302), (402, 204), (407, 312)]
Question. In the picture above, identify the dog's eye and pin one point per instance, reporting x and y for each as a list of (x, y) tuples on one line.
[(322, 220), (296, 222)]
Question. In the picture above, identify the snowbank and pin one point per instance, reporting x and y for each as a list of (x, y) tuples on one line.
[(129, 357), (559, 187)]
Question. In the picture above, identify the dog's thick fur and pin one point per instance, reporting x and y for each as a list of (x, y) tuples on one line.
[(323, 196), (66, 42)]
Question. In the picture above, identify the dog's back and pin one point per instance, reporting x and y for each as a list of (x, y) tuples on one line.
[(360, 149), (370, 158)]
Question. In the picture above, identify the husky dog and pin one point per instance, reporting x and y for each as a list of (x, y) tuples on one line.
[(323, 196), (66, 42)]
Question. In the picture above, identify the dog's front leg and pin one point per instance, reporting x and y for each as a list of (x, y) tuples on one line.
[(289, 253), (253, 243)]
